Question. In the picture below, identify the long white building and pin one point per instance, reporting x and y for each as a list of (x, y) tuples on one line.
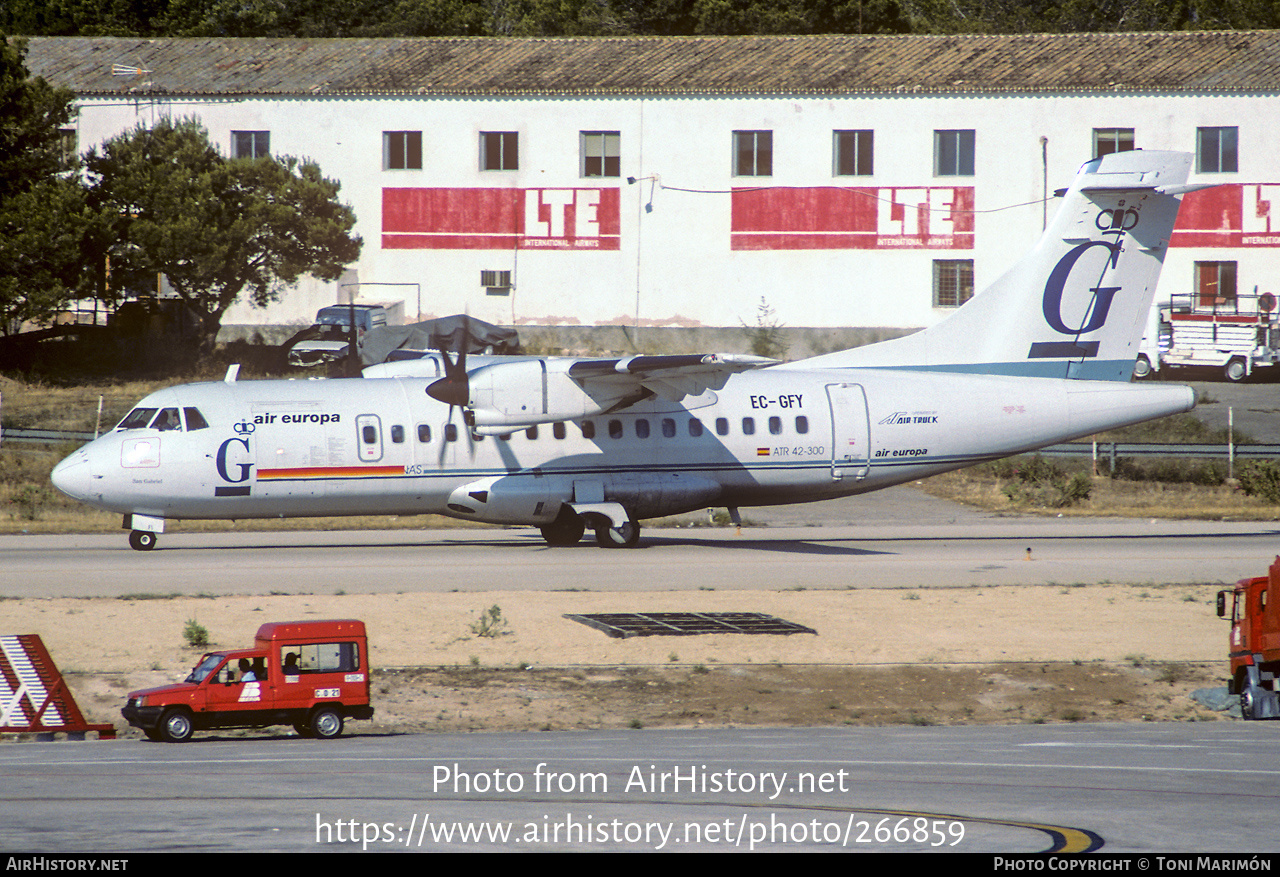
[(847, 181)]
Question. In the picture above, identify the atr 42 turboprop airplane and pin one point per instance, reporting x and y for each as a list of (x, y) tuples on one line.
[(1042, 356)]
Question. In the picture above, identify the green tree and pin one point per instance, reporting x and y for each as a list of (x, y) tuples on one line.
[(43, 218), (217, 228)]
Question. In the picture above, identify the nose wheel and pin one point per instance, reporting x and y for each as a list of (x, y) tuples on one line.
[(142, 540)]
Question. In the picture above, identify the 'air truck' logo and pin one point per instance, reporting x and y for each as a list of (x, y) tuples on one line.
[(1111, 222)]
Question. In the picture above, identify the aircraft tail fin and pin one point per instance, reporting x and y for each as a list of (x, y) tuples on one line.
[(1077, 304)]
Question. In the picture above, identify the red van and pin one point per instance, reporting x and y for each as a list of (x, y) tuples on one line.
[(310, 674)]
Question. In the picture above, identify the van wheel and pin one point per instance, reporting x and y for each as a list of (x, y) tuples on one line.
[(326, 723), (303, 729), (176, 726)]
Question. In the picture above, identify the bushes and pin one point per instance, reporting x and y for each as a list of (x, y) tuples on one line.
[(1261, 478), (1046, 483)]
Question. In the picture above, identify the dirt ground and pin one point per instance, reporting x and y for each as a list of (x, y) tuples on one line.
[(930, 656)]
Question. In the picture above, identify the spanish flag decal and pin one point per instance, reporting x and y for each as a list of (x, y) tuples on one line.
[(762, 452)]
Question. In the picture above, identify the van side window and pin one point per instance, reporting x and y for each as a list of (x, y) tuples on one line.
[(321, 658)]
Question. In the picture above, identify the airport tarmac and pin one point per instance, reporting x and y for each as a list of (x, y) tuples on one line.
[(1155, 789), (895, 538)]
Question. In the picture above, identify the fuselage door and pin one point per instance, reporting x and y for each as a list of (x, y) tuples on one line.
[(850, 431), (369, 437)]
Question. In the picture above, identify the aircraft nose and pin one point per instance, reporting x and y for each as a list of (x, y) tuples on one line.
[(74, 476)]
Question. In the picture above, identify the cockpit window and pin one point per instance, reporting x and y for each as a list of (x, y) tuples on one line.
[(167, 419), (195, 420), (137, 418)]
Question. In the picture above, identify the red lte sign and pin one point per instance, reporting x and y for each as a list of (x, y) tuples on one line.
[(500, 219)]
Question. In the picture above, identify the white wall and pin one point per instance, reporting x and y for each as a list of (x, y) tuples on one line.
[(674, 265)]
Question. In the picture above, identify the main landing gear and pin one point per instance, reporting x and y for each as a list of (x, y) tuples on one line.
[(569, 527)]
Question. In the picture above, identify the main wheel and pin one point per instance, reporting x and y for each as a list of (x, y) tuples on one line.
[(1235, 371), (326, 723), (1142, 368), (176, 726), (625, 536), (142, 540), (566, 529)]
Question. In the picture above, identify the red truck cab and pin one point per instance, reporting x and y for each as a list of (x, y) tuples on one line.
[(312, 675), (1255, 642)]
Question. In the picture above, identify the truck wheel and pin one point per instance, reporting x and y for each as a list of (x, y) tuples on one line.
[(176, 726), (326, 723), (142, 540), (1235, 371), (1142, 368), (1248, 702)]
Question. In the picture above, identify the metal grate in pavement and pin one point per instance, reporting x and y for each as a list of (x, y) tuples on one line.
[(627, 624)]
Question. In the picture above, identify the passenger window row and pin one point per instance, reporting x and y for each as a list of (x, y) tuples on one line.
[(615, 429)]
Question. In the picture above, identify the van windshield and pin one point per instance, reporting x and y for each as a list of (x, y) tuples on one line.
[(207, 665)]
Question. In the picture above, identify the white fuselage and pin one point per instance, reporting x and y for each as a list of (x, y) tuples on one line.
[(383, 446)]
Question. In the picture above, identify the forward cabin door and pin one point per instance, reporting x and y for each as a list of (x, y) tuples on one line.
[(850, 431)]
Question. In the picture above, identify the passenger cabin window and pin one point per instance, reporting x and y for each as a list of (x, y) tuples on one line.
[(748, 426), (695, 428), (722, 426), (558, 430), (397, 434), (369, 434), (588, 429), (450, 432), (668, 428), (424, 433), (531, 432), (642, 428), (802, 424), (775, 426), (615, 429)]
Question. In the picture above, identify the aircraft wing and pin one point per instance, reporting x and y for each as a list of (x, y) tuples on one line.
[(668, 377), (502, 396)]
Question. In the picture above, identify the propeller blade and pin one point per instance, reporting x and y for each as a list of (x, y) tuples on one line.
[(454, 388)]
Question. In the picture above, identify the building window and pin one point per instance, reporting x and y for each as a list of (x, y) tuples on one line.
[(67, 152), (753, 153), (952, 282), (499, 151), (1216, 285), (953, 153), (496, 282), (1216, 150), (601, 153), (1109, 140), (852, 151), (402, 150), (250, 144)]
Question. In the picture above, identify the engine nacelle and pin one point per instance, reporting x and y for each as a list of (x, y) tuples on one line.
[(525, 498), (512, 395)]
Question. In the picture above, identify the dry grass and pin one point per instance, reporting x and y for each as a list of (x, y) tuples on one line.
[(982, 488)]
